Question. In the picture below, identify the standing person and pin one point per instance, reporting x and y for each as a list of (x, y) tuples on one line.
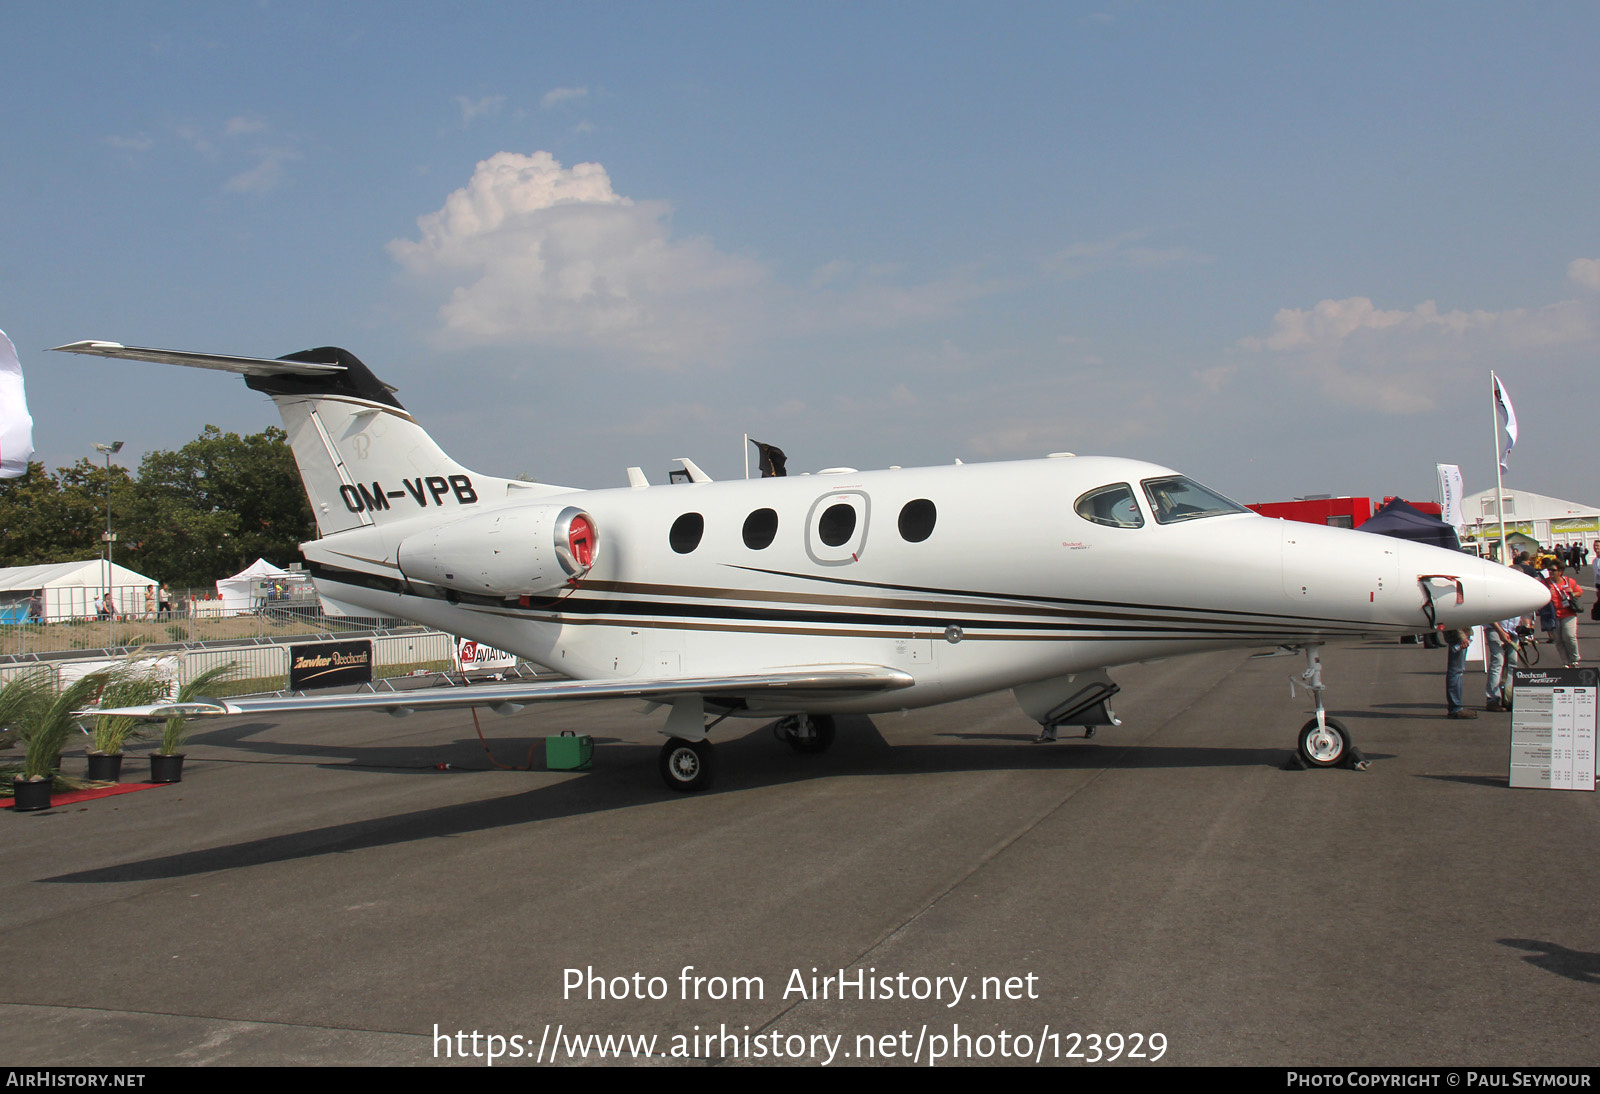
[(1566, 600), (149, 601), (164, 601), (1455, 668), (1502, 643), (36, 607)]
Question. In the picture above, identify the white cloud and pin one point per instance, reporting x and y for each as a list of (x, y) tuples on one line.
[(1117, 252), (471, 109), (141, 143), (558, 95), (241, 125), (530, 251), (536, 252), (267, 174), (1403, 361), (1586, 272)]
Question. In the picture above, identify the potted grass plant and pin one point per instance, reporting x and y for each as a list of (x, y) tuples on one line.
[(166, 762), (135, 685), (44, 717)]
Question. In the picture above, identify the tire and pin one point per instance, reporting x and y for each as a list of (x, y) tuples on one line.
[(687, 766), (821, 739), (1325, 745)]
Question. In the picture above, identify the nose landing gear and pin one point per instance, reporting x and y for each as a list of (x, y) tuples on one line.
[(1324, 741)]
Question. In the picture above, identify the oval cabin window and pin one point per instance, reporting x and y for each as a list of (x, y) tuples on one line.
[(917, 519), (686, 532), (760, 529), (837, 525)]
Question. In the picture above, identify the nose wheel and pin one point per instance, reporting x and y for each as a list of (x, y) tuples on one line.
[(1324, 744), (1324, 741)]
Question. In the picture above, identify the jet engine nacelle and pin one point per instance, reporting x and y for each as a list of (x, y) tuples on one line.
[(520, 551)]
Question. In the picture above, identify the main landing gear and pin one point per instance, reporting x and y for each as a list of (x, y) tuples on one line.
[(1324, 741), (809, 734), (687, 766), (689, 763)]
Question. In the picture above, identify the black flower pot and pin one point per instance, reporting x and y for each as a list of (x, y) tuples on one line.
[(105, 767), (166, 769), (31, 796)]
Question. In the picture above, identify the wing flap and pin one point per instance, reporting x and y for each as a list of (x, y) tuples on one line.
[(245, 366), (810, 682)]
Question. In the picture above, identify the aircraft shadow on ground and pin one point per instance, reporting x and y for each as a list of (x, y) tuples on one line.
[(627, 778), (460, 753), (1572, 964), (1427, 711)]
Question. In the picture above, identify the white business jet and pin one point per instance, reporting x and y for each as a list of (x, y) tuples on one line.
[(844, 592)]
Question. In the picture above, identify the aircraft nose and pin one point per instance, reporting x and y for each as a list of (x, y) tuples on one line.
[(1511, 592)]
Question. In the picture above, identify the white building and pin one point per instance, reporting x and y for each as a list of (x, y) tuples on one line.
[(1551, 521)]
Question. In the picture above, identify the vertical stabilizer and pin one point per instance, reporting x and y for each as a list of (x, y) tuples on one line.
[(364, 461)]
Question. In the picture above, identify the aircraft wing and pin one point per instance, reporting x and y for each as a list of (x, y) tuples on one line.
[(246, 366), (804, 683)]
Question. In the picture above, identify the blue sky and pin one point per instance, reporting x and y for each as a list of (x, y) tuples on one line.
[(1276, 246)]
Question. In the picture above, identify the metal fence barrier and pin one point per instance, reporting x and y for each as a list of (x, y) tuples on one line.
[(260, 664)]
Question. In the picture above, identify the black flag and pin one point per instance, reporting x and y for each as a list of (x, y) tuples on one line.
[(772, 460)]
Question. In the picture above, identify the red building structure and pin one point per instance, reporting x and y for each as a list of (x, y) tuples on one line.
[(1335, 512)]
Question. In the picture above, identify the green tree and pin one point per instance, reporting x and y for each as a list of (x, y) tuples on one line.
[(203, 512), (216, 505), (58, 518)]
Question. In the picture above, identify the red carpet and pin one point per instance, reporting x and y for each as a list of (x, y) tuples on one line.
[(71, 797)]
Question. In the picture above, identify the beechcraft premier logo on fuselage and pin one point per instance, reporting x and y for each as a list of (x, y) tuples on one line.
[(362, 498)]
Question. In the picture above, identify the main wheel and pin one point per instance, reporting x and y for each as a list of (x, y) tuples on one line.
[(1324, 745), (817, 740), (687, 766)]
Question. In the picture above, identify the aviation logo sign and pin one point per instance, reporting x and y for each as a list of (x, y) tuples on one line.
[(475, 656), (329, 664)]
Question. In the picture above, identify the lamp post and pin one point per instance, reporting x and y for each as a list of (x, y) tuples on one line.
[(109, 537)]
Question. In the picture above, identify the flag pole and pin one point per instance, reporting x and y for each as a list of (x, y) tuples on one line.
[(1499, 482)]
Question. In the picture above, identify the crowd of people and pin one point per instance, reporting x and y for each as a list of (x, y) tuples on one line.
[(1557, 621)]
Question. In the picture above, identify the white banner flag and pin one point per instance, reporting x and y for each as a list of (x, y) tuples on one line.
[(16, 427), (1450, 494), (1508, 422)]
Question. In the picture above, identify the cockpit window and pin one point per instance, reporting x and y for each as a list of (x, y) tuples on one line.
[(1113, 506), (1177, 498)]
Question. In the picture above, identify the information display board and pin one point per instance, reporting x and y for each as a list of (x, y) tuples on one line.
[(1553, 728), (330, 664)]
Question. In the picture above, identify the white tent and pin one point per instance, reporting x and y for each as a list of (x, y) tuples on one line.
[(236, 591), (71, 590)]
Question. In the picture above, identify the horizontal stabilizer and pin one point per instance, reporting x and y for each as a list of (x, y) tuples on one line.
[(812, 682), (245, 366)]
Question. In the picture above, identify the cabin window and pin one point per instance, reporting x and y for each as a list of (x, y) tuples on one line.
[(837, 525), (760, 529), (1112, 506), (1177, 498), (686, 532), (836, 528), (917, 519)]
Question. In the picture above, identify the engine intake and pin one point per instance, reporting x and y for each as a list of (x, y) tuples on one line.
[(519, 551)]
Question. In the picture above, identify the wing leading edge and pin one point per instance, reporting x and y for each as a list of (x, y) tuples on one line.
[(802, 683), (245, 366)]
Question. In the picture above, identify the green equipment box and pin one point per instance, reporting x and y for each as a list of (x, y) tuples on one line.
[(568, 752)]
